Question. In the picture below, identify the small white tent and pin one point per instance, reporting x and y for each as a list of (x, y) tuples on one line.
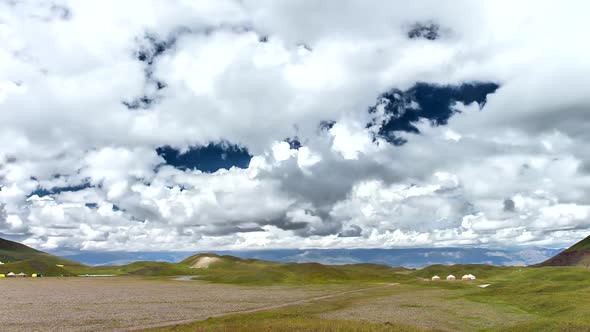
[(435, 278), (1, 263), (10, 274), (468, 277), (451, 277)]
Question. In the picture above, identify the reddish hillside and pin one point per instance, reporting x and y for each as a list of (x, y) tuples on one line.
[(576, 255)]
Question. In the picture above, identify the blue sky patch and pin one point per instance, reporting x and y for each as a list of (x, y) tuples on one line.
[(209, 158), (294, 143), (40, 191), (433, 103)]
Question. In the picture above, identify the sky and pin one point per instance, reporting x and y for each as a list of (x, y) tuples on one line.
[(261, 124)]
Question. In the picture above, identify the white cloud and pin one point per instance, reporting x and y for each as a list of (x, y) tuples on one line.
[(66, 67)]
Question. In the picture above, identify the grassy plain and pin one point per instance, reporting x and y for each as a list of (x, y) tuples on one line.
[(233, 294), (517, 299)]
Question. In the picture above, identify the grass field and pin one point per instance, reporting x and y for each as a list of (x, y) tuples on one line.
[(518, 299)]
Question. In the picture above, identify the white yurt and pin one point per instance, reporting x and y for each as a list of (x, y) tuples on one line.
[(465, 277), (451, 277), (435, 278), (10, 274)]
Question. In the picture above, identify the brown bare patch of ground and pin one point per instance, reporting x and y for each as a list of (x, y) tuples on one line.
[(204, 262), (99, 304), (428, 308)]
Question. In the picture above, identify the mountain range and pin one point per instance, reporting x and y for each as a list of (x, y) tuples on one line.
[(17, 257), (409, 258)]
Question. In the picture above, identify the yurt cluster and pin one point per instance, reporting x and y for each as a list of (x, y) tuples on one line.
[(451, 277), (19, 275)]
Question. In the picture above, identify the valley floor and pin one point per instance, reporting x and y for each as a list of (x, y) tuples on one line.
[(518, 299), (103, 304), (403, 307)]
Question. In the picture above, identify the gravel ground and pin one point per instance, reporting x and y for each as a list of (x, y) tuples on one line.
[(104, 304)]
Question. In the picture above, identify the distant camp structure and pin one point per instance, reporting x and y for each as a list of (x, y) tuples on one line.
[(19, 275), (452, 277), (1, 263)]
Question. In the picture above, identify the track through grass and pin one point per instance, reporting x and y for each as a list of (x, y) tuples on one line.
[(265, 308)]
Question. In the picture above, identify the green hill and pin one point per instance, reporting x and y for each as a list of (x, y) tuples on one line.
[(576, 255), (224, 269), (583, 245), (234, 270), (229, 269), (13, 251), (21, 258)]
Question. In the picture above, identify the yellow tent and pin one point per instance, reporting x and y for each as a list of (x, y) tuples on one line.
[(34, 275), (2, 275), (59, 265)]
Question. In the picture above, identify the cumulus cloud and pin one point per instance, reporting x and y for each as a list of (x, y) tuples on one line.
[(90, 93)]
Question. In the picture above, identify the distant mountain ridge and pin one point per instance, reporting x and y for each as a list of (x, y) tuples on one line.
[(409, 257), (207, 266), (289, 265), (576, 255)]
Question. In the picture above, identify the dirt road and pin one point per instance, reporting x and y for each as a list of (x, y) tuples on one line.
[(249, 311)]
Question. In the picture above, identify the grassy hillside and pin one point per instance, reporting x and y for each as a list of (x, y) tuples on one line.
[(576, 255), (144, 268), (211, 267), (234, 270), (21, 258), (582, 245), (15, 252), (229, 269)]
